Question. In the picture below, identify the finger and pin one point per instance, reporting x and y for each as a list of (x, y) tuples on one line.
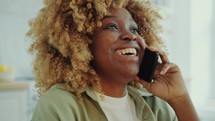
[(144, 83), (136, 78), (158, 69), (162, 54), (166, 67)]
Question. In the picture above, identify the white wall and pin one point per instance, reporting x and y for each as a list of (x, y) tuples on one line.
[(212, 70), (14, 16), (177, 34), (190, 40), (201, 21), (202, 57), (180, 43)]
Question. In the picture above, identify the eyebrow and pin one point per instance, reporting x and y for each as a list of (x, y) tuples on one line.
[(111, 16)]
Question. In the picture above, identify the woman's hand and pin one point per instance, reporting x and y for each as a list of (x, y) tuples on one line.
[(168, 82), (169, 85)]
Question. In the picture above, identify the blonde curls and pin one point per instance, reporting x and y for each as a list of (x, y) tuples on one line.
[(61, 43)]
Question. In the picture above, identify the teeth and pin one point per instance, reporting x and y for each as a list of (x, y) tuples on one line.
[(128, 52)]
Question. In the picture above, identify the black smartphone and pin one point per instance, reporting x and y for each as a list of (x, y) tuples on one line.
[(148, 65)]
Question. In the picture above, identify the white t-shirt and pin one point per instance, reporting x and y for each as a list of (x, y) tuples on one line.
[(118, 109)]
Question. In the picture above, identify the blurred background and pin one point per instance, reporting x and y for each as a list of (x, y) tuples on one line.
[(189, 27)]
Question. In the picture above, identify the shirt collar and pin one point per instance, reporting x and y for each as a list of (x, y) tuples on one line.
[(134, 92)]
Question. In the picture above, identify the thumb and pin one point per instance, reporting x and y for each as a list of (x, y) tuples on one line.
[(145, 84)]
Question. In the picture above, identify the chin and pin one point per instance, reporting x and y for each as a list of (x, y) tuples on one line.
[(131, 75), (132, 72)]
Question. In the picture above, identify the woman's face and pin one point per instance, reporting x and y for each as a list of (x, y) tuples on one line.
[(117, 47)]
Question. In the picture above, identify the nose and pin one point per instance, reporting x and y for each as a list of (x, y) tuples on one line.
[(128, 36)]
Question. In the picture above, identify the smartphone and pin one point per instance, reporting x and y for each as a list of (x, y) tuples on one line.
[(148, 65)]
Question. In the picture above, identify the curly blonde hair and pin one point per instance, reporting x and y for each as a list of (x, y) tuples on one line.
[(61, 43)]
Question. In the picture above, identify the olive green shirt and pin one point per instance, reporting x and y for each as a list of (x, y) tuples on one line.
[(58, 104)]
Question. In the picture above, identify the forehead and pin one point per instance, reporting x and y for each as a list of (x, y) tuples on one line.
[(119, 13)]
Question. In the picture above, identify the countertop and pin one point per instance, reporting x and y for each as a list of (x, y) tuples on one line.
[(13, 85)]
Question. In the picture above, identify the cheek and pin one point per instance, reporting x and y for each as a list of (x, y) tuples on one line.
[(141, 42), (102, 44), (99, 50)]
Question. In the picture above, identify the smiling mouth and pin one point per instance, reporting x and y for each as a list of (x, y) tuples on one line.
[(127, 52)]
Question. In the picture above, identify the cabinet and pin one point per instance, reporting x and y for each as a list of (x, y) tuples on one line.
[(13, 101)]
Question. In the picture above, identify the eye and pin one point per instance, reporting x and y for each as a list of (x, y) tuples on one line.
[(135, 30), (112, 26)]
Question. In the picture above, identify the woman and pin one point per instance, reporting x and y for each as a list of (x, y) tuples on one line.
[(88, 54)]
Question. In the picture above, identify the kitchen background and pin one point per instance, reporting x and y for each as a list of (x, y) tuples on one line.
[(189, 34)]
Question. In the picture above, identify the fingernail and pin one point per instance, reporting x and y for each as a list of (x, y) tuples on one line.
[(162, 73), (150, 47), (138, 85)]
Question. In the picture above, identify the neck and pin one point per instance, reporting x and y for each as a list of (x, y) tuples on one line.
[(114, 90)]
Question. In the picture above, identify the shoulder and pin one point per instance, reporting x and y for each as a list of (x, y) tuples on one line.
[(57, 102), (57, 95), (161, 109), (57, 92)]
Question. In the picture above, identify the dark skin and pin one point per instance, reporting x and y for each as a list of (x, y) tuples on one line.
[(119, 35), (118, 32), (169, 85)]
